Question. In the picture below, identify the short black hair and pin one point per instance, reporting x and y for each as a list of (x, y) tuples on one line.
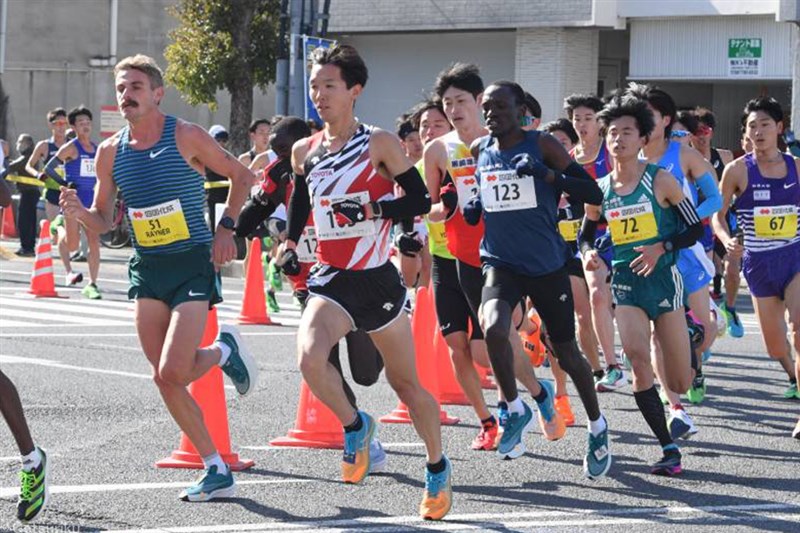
[(628, 106), (313, 124), (344, 56), (464, 76), (426, 105), (275, 119), (706, 116), (532, 105), (405, 125), (286, 132), (563, 125), (75, 112), (256, 123), (573, 102), (515, 88), (768, 105), (689, 120), (55, 113), (659, 99)]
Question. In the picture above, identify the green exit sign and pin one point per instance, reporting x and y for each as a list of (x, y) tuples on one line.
[(744, 48)]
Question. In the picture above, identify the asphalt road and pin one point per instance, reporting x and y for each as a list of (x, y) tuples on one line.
[(89, 400)]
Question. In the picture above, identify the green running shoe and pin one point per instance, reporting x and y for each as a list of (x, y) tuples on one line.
[(58, 222), (211, 485), (697, 392), (92, 292), (272, 303), (598, 456), (33, 492), (791, 392), (274, 275)]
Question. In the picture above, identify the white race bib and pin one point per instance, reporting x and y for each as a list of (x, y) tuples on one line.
[(87, 167), (467, 187), (505, 190), (307, 246), (324, 219)]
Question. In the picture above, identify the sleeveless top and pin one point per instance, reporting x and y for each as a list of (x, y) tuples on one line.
[(637, 219), (463, 240), (52, 150), (163, 194), (600, 166), (348, 174), (437, 235), (520, 212), (80, 171), (717, 163), (767, 209)]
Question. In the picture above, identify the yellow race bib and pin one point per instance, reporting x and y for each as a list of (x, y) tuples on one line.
[(632, 223), (159, 224), (775, 222), (569, 229)]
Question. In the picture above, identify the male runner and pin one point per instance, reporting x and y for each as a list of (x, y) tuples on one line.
[(76, 157), (563, 131), (645, 208), (519, 191), (259, 130), (156, 162), (592, 154), (347, 175), (765, 185), (45, 150)]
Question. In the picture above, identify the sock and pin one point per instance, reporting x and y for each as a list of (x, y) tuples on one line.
[(542, 396), (653, 412), (717, 283), (489, 421), (516, 406), (598, 426), (215, 460), (671, 448), (225, 353), (356, 425), (32, 460), (437, 468)]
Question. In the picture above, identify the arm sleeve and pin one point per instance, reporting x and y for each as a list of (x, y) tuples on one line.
[(299, 208), (50, 170), (694, 228), (713, 198), (416, 200), (580, 186), (587, 236), (252, 214)]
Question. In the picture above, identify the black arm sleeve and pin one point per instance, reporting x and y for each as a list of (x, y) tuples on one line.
[(587, 236), (694, 227), (416, 201), (580, 186), (252, 214), (407, 225), (299, 208)]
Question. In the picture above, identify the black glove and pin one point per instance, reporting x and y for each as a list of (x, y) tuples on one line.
[(407, 243), (526, 165), (289, 263), (473, 210), (449, 196), (348, 212)]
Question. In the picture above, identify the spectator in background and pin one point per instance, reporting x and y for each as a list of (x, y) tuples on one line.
[(216, 195), (259, 130), (28, 198), (563, 131), (533, 113)]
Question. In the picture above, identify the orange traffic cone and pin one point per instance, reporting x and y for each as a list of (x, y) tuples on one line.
[(426, 366), (43, 282), (9, 227), (254, 304), (315, 426), (209, 393)]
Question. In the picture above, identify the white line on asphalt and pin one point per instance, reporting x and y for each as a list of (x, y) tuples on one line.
[(42, 318)]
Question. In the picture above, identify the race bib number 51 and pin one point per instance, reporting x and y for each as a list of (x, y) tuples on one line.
[(325, 221), (775, 222), (159, 225), (505, 190), (632, 223)]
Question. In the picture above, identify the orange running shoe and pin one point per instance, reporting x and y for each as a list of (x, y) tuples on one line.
[(356, 460), (487, 438), (565, 409), (438, 497), (550, 420)]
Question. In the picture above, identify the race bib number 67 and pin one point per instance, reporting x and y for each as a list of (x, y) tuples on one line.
[(775, 222)]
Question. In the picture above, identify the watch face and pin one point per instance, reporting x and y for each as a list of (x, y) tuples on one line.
[(227, 223)]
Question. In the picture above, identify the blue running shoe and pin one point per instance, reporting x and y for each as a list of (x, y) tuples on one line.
[(356, 458), (598, 456), (735, 328), (511, 443), (550, 420), (438, 497), (377, 457), (212, 485), (240, 366), (502, 414), (669, 465)]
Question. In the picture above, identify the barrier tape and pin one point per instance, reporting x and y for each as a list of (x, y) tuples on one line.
[(25, 180), (216, 184)]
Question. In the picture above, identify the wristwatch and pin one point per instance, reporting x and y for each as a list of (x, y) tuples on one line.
[(227, 222), (667, 246)]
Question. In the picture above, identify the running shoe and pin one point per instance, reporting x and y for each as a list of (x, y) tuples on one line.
[(73, 278), (240, 366), (92, 292), (487, 438), (438, 497), (33, 491), (791, 391), (274, 275), (735, 328), (356, 459), (613, 379), (58, 222), (550, 420), (598, 456), (512, 444), (697, 392), (78, 257), (210, 486), (669, 465), (25, 252), (680, 424), (502, 414), (377, 457), (719, 318), (272, 303), (796, 432), (563, 407)]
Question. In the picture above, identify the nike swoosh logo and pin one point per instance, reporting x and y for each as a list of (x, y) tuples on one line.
[(785, 186), (192, 294), (153, 155)]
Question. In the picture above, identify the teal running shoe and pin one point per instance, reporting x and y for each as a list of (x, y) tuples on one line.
[(240, 366), (357, 459), (211, 486), (34, 491), (613, 379), (598, 456), (511, 443), (735, 328), (791, 391)]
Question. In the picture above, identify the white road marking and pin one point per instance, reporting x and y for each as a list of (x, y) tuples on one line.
[(14, 360)]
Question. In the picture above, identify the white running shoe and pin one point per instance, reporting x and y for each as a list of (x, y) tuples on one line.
[(74, 278), (680, 424)]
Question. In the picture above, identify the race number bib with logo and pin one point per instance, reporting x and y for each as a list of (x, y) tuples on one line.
[(87, 167), (632, 223), (327, 229), (505, 190), (775, 222), (307, 246), (569, 229), (466, 187), (160, 224)]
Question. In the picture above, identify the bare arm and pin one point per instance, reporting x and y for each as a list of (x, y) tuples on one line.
[(38, 153), (434, 168), (97, 218), (734, 181)]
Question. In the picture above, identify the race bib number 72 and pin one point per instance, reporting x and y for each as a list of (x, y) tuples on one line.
[(632, 223)]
